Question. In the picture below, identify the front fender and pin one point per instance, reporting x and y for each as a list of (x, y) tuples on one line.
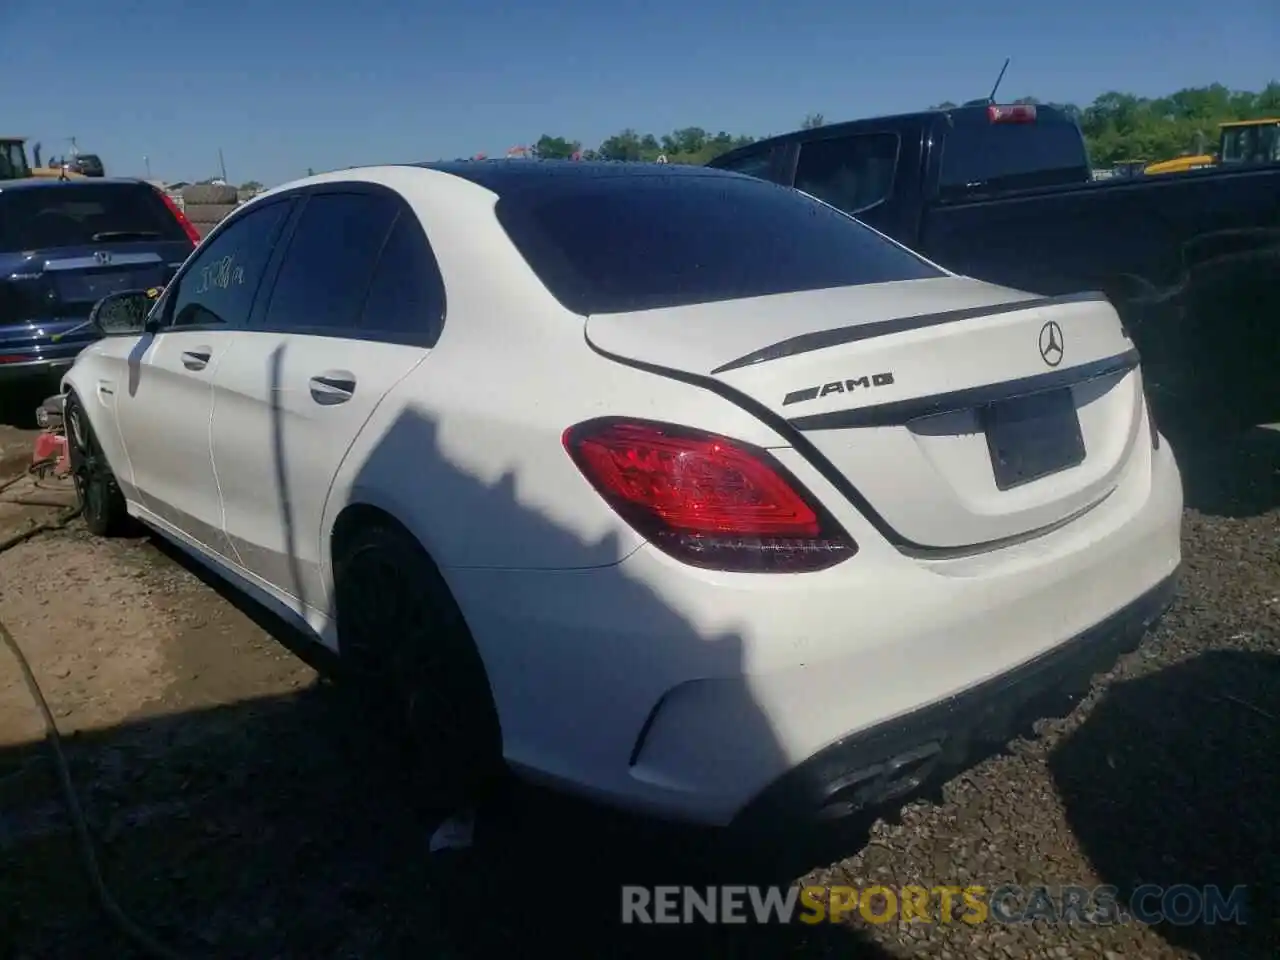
[(91, 378)]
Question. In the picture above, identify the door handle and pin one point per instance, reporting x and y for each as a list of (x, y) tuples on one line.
[(196, 359), (333, 386)]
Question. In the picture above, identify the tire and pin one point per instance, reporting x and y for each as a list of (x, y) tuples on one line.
[(404, 640), (200, 194), (97, 494), (208, 212)]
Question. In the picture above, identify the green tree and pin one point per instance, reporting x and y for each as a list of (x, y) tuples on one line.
[(555, 148), (1116, 126), (621, 146)]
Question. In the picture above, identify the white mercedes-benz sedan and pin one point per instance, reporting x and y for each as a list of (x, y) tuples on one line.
[(669, 486)]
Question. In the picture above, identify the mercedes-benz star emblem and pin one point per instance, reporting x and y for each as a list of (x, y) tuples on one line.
[(1051, 343)]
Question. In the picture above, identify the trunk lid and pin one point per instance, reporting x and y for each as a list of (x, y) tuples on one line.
[(963, 413), (66, 282)]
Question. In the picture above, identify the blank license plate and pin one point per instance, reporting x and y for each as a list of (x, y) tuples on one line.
[(93, 287), (1032, 437)]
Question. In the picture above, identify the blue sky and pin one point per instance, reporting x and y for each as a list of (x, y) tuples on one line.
[(283, 85)]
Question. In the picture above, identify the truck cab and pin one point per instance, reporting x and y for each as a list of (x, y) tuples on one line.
[(885, 170), (1250, 141)]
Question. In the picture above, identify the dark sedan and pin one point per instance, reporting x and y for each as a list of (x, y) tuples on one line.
[(66, 244)]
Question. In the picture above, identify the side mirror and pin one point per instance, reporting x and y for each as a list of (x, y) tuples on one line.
[(124, 313)]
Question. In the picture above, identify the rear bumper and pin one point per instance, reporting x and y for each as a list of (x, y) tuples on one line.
[(697, 696), (42, 348), (894, 758)]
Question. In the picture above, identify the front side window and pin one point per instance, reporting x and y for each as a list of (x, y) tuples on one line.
[(218, 286)]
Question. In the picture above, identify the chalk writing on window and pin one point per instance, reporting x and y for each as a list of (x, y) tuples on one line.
[(222, 274)]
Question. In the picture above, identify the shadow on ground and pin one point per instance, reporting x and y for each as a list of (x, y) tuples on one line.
[(1175, 779), (19, 400), (293, 826), (1230, 475), (289, 827)]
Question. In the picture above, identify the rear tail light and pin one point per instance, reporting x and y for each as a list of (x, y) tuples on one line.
[(187, 226), (1012, 113), (705, 500)]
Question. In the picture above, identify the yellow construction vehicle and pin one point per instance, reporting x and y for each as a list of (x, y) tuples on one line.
[(1240, 141), (13, 159), (14, 166), (1250, 141)]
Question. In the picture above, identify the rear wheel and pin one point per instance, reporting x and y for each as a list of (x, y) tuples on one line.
[(97, 494), (403, 636)]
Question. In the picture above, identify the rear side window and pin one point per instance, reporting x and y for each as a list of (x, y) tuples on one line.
[(406, 302), (79, 214), (218, 286), (623, 243), (328, 269), (978, 153), (851, 173), (753, 164)]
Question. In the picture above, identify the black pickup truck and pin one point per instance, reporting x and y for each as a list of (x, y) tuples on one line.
[(1005, 193)]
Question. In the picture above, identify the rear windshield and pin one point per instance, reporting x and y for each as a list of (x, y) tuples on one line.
[(80, 214), (977, 153), (614, 244)]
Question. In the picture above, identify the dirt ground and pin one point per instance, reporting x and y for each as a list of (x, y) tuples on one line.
[(243, 808)]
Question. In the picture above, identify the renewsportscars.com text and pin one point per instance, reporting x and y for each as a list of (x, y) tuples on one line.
[(1181, 905)]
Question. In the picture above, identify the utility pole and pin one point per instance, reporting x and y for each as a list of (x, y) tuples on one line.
[(222, 165), (147, 161)]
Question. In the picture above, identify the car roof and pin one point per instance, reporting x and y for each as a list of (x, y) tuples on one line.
[(508, 176), (52, 183)]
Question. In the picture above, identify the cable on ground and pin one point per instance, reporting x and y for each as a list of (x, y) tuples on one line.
[(88, 854)]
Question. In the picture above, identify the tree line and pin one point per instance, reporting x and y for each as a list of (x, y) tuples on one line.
[(1117, 127)]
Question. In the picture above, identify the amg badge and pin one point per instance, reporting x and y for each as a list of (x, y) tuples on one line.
[(839, 386)]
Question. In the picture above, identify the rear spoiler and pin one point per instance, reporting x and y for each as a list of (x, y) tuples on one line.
[(822, 339)]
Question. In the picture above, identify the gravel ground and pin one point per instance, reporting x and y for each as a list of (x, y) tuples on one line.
[(244, 810)]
